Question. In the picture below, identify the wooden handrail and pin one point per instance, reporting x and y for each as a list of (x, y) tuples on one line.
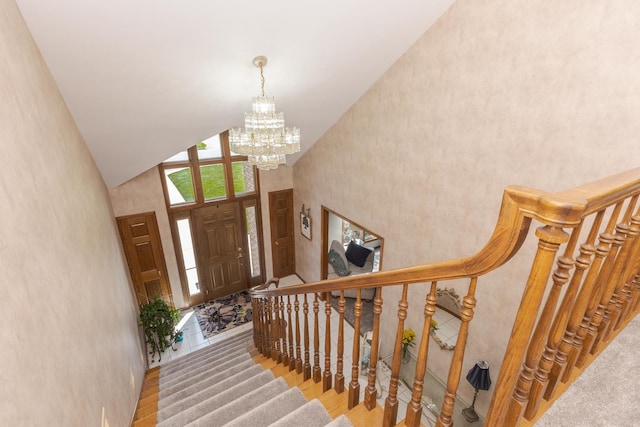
[(544, 352)]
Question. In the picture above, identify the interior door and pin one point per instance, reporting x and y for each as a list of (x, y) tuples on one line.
[(143, 250), (282, 240), (221, 249)]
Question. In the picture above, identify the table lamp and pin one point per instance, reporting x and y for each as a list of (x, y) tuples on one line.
[(479, 379)]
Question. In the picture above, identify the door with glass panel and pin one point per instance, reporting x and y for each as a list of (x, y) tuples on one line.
[(221, 248)]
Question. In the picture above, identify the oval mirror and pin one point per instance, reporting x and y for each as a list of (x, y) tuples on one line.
[(447, 319)]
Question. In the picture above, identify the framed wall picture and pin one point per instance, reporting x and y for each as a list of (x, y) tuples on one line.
[(305, 225)]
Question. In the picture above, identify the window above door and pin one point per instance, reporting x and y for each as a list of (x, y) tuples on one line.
[(207, 172)]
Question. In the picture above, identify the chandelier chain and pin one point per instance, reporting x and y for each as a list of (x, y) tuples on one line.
[(262, 78)]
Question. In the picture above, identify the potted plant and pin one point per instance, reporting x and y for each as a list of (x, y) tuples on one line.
[(159, 321)]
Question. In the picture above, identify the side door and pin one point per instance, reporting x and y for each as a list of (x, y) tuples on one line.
[(282, 240), (221, 249), (143, 250)]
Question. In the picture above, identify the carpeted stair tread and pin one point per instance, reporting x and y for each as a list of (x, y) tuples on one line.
[(197, 382), (241, 338), (204, 366), (272, 410), (229, 412), (198, 405), (312, 414), (203, 353), (206, 391), (210, 353), (341, 421)]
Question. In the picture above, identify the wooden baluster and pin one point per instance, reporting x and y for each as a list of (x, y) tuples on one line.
[(632, 267), (256, 323), (261, 334), (583, 262), (635, 283), (354, 385), (391, 402), (630, 274), (591, 284), (307, 365), (455, 369), (555, 334), (292, 360), (414, 408), (277, 330), (549, 240), (625, 292), (553, 236), (339, 377), (606, 286), (266, 340), (326, 375), (272, 340), (283, 333), (298, 355), (370, 393), (317, 372), (260, 322), (624, 239)]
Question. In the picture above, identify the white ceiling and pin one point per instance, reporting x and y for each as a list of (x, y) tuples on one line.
[(145, 79)]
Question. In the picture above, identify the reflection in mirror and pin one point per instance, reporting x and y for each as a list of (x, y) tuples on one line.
[(344, 241), (447, 317)]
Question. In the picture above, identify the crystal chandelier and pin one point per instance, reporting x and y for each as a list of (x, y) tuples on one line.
[(264, 140)]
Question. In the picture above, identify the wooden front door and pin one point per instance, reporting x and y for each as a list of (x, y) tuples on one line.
[(221, 250), (282, 240), (143, 250)]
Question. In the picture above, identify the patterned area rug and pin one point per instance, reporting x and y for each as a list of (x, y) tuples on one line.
[(224, 313)]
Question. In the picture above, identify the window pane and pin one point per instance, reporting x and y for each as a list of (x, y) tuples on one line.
[(179, 185), (243, 178), (182, 156), (188, 256), (210, 148), (213, 185), (252, 237)]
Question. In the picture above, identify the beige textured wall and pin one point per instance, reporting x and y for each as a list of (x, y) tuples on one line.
[(71, 344), (543, 94), (144, 194)]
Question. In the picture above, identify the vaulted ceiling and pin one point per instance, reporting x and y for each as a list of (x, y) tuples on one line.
[(145, 79)]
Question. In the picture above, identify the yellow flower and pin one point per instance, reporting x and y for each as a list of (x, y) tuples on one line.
[(408, 337)]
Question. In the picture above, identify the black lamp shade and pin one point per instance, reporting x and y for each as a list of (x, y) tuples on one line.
[(478, 376)]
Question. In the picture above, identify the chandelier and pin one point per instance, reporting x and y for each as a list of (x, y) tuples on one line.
[(265, 140)]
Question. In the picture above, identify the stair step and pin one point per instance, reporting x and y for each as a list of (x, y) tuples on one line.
[(249, 401), (272, 410), (203, 360), (312, 414), (360, 416), (341, 421), (209, 365), (238, 340), (219, 372), (199, 404), (335, 404)]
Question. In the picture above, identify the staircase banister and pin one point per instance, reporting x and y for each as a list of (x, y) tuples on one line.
[(509, 234), (519, 205)]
